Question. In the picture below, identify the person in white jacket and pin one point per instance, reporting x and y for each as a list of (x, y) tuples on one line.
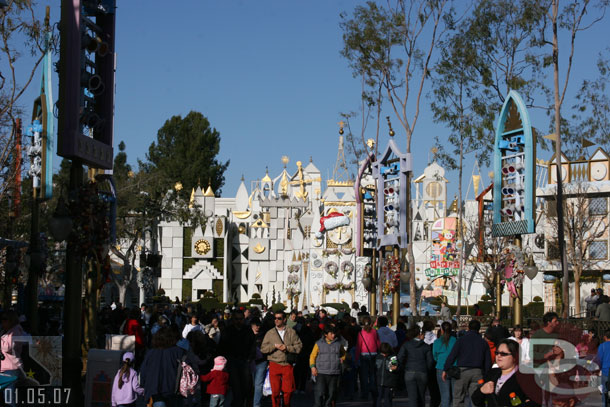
[(524, 343), (194, 325)]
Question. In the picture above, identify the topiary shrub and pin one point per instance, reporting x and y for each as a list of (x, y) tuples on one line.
[(485, 298), (278, 307), (534, 309), (336, 305), (256, 295), (537, 299)]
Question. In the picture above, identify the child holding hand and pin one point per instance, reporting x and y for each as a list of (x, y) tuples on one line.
[(218, 382)]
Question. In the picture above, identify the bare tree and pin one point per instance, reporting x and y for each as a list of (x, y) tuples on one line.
[(586, 224), (20, 32), (572, 20)]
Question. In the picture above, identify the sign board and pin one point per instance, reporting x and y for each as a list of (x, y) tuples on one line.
[(514, 170), (444, 260), (102, 366)]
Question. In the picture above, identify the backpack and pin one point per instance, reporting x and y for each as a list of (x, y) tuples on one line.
[(186, 379)]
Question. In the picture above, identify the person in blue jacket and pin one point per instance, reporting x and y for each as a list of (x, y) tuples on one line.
[(160, 368), (603, 361), (440, 350)]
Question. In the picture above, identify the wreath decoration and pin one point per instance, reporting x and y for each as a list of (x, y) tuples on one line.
[(332, 268), (348, 251), (347, 268), (338, 286), (291, 291), (510, 267), (391, 268)]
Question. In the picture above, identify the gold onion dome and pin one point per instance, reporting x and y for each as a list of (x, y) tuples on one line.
[(267, 178)]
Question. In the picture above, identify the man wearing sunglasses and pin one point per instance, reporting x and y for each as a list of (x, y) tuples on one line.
[(281, 345)]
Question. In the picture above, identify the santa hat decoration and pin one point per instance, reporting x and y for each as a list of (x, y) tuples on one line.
[(332, 221)]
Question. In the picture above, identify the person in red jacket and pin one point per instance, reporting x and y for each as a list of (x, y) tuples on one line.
[(133, 327), (219, 382)]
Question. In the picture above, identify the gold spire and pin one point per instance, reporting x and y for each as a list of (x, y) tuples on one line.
[(267, 178), (284, 183), (209, 192), (453, 208)]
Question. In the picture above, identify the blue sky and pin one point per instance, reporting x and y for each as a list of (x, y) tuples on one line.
[(267, 74)]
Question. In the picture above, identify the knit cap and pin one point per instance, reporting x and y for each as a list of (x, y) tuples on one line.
[(219, 363)]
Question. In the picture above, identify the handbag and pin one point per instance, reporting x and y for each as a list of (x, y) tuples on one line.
[(267, 385), (454, 372), (291, 358)]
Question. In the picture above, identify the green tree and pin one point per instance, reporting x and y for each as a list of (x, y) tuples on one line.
[(399, 40), (367, 35), (488, 56), (185, 151)]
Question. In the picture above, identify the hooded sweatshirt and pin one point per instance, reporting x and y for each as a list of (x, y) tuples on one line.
[(128, 393)]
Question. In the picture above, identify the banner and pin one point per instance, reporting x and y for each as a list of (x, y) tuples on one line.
[(444, 260)]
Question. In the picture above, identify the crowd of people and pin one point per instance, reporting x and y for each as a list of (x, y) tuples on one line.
[(236, 357)]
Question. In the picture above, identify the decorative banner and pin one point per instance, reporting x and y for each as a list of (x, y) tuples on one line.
[(514, 170), (444, 260)]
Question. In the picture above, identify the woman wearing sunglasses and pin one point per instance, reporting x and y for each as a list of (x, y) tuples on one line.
[(500, 386)]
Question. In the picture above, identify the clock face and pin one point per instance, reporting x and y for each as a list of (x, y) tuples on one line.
[(598, 171), (340, 235), (564, 173), (202, 246), (433, 189)]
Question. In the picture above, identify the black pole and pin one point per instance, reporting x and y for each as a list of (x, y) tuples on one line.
[(34, 269), (72, 364)]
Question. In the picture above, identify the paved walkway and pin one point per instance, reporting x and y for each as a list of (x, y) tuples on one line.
[(401, 400)]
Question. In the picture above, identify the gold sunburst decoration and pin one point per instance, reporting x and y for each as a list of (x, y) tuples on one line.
[(258, 249), (202, 247)]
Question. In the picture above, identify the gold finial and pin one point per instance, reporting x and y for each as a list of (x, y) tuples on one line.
[(434, 150), (390, 126), (299, 164), (371, 143), (199, 182), (285, 160), (178, 186), (310, 159), (341, 125), (131, 174), (242, 178), (209, 192), (491, 175)]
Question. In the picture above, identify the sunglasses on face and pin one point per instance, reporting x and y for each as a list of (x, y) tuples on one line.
[(503, 354), (279, 318)]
